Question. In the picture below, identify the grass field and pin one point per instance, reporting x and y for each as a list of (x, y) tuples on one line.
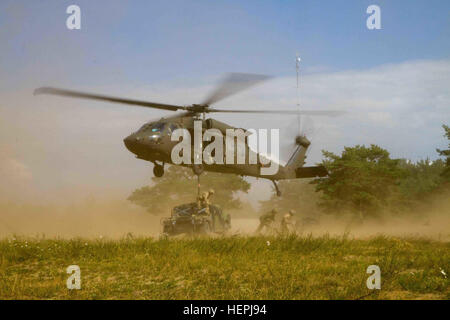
[(225, 268)]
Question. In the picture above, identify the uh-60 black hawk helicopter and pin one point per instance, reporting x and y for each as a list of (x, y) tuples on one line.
[(152, 142)]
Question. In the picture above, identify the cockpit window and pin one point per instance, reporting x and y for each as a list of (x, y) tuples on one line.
[(158, 127), (153, 127)]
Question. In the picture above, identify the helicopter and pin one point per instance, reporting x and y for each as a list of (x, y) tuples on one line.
[(152, 142)]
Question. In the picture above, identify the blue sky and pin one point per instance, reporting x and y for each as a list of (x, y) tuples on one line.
[(153, 41), (395, 82)]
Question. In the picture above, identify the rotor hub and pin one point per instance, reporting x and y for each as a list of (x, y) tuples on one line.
[(302, 141), (198, 108)]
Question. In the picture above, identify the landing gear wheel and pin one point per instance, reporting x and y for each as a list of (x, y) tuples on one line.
[(158, 170), (198, 169)]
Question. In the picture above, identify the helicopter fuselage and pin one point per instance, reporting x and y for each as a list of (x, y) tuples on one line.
[(153, 142)]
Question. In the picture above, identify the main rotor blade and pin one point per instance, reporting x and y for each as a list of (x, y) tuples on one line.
[(84, 95), (326, 113), (232, 84)]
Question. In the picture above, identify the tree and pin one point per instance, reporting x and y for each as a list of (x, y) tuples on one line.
[(446, 153), (361, 180), (422, 179), (179, 185)]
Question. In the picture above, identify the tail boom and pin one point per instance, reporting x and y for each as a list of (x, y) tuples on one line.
[(295, 167)]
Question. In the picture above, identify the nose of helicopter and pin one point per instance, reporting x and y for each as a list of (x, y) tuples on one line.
[(131, 142)]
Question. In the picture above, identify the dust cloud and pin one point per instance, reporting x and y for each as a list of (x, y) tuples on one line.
[(116, 218), (431, 222), (88, 219)]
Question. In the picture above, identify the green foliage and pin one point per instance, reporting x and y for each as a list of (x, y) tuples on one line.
[(446, 154), (361, 180), (179, 185), (423, 177)]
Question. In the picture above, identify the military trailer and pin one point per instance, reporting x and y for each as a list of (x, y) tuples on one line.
[(188, 219)]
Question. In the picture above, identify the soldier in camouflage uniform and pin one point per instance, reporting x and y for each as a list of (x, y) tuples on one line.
[(266, 221), (287, 225), (204, 200)]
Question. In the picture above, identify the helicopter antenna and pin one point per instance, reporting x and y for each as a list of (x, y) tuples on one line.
[(297, 69), (198, 185)]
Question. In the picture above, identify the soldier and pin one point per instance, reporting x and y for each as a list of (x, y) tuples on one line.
[(210, 194), (287, 224), (266, 220), (201, 201), (204, 200)]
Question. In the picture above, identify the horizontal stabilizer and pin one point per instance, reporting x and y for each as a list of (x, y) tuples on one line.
[(311, 172)]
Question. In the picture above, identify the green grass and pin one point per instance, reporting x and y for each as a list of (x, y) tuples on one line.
[(291, 267)]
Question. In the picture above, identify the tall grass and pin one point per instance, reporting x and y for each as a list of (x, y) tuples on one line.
[(291, 267)]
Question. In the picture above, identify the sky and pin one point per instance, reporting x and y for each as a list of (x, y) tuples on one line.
[(393, 82)]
